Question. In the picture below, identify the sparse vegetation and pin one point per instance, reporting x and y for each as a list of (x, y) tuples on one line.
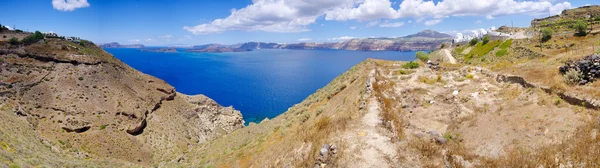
[(13, 41), (469, 76), (501, 52), (546, 34), (410, 65), (443, 45), (422, 56), (80, 78), (580, 28), (102, 127), (33, 38)]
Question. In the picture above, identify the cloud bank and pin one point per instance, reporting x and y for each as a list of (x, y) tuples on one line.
[(297, 15)]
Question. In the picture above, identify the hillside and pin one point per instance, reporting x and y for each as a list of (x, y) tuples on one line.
[(78, 101)]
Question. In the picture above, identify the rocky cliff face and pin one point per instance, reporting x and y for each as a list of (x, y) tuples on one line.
[(79, 98)]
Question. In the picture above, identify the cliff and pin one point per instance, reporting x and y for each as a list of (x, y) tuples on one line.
[(83, 103)]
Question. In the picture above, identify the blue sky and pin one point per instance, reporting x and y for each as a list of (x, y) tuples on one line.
[(166, 22)]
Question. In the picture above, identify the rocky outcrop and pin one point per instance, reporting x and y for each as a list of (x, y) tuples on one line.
[(588, 69)]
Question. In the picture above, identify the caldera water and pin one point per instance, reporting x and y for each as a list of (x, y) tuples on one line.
[(261, 83)]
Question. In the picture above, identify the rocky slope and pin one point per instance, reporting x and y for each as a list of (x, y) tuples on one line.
[(81, 101)]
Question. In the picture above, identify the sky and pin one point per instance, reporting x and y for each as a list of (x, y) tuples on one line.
[(194, 22)]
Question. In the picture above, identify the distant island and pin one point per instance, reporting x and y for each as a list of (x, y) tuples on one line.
[(424, 40), (163, 50), (216, 48), (117, 45)]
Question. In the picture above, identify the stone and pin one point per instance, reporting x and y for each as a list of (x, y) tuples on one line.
[(455, 93), (433, 133), (440, 140)]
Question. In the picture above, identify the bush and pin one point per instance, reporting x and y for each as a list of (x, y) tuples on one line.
[(80, 78), (546, 34), (572, 76), (485, 39), (13, 41), (422, 56), (19, 31), (581, 28), (410, 65), (33, 38), (474, 41), (443, 45)]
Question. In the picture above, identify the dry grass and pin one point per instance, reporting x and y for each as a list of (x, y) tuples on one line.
[(431, 81)]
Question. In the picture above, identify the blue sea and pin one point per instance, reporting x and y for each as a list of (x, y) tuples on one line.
[(261, 83)]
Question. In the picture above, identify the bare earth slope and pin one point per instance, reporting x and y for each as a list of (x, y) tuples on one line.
[(78, 98)]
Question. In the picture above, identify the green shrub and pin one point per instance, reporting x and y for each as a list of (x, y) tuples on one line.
[(102, 127), (581, 28), (80, 78), (546, 34), (501, 53), (19, 31), (473, 41), (443, 45), (410, 65), (422, 56), (469, 76), (33, 38), (572, 76), (485, 39), (13, 41)]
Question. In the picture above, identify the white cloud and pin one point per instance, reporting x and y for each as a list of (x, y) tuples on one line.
[(305, 39), (296, 15), (488, 8), (69, 5), (433, 22), (372, 23), (352, 27), (8, 27), (478, 22), (343, 38), (392, 24), (271, 16), (366, 10), (134, 40), (149, 40), (489, 17), (168, 36)]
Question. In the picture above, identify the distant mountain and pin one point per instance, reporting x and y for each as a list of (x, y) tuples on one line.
[(117, 45), (429, 34), (424, 40)]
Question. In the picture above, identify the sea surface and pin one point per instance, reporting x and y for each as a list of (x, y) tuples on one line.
[(261, 83)]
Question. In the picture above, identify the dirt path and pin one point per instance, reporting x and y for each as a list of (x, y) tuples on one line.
[(371, 145), (519, 35), (449, 56)]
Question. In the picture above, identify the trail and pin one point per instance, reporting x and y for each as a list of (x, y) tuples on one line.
[(449, 56), (373, 147)]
